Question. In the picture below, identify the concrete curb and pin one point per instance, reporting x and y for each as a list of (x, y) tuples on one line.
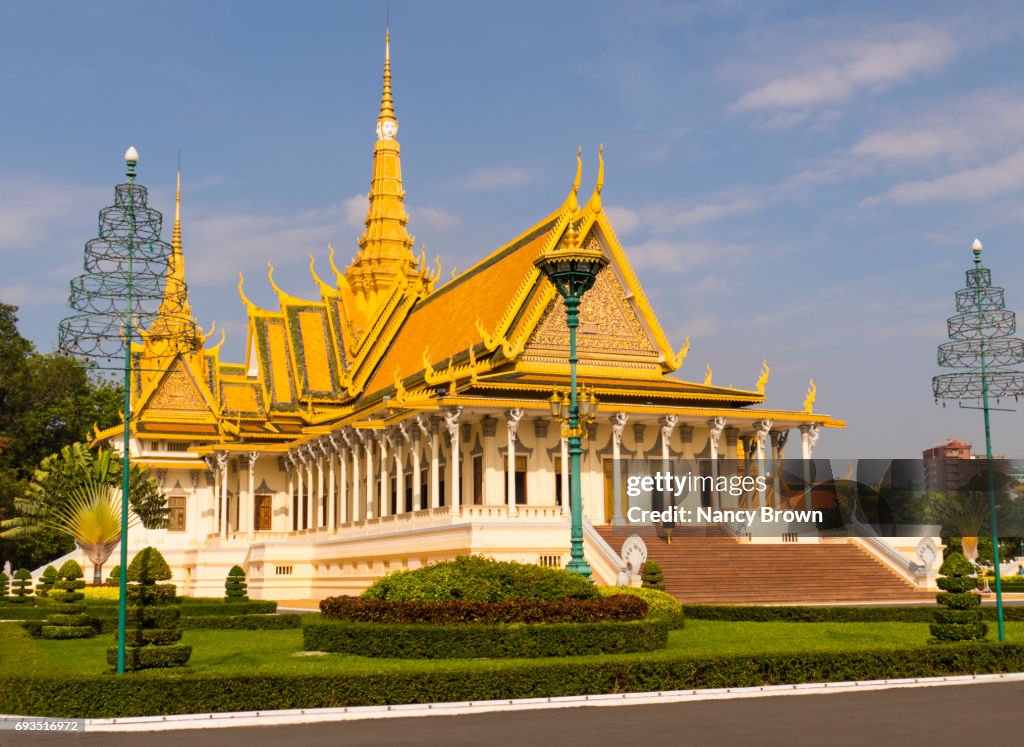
[(320, 715)]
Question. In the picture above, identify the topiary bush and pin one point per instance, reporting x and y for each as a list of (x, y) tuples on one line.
[(651, 576), (114, 579), (67, 618), (617, 608), (481, 579), (660, 605), (21, 587), (235, 586), (960, 618), (151, 635), (46, 581), (5, 585)]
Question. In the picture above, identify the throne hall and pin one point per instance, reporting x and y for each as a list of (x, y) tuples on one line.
[(383, 419)]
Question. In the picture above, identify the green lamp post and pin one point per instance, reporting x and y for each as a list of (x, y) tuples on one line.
[(981, 341), (572, 269)]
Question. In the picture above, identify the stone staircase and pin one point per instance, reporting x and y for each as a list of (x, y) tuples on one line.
[(710, 566)]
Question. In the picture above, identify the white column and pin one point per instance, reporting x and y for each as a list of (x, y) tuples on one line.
[(761, 430), (358, 505), (618, 421), (809, 433), (715, 428), (250, 513), (779, 439), (341, 449), (385, 477), (565, 476), (330, 449), (368, 444), (451, 422), (435, 463), (513, 417), (310, 489), (418, 429), (290, 470), (222, 468), (399, 447), (668, 424)]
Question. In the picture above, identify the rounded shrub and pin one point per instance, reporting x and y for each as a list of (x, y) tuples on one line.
[(660, 605), (21, 587), (960, 616), (46, 581), (151, 639), (481, 579), (235, 586), (67, 613), (114, 579), (651, 576)]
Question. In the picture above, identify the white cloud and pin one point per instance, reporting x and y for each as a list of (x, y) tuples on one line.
[(977, 183), (355, 210), (29, 294), (498, 177), (674, 256), (834, 71), (433, 217), (32, 213), (623, 219), (988, 121), (663, 218)]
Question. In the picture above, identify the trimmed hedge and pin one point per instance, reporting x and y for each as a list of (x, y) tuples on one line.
[(660, 605), (612, 609), (242, 622), (960, 618), (384, 641), (235, 586), (832, 614), (102, 696), (481, 579)]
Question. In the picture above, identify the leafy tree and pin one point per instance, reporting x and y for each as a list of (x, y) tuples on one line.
[(92, 516), (46, 402), (55, 502)]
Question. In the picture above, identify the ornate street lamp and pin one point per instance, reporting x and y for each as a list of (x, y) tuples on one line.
[(572, 269), (125, 288), (981, 340)]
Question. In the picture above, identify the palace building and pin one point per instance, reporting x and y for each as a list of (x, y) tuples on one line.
[(392, 419)]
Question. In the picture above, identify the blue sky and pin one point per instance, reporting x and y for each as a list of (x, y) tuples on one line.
[(795, 181)]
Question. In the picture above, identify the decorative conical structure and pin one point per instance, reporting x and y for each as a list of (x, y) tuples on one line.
[(981, 339), (385, 247)]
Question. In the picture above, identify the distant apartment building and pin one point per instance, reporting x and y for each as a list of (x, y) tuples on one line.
[(951, 465)]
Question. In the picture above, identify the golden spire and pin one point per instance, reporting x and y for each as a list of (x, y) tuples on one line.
[(175, 300), (387, 104), (385, 246)]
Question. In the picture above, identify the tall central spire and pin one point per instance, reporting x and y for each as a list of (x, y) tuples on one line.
[(385, 247), (175, 301)]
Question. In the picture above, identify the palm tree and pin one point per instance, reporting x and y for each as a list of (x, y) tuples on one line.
[(92, 516)]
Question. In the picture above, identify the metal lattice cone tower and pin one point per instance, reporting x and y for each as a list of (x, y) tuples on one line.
[(982, 343), (129, 289)]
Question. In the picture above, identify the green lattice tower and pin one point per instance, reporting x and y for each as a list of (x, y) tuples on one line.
[(124, 289), (983, 346)]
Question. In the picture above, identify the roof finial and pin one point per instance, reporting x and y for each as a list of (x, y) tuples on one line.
[(573, 202), (387, 123), (176, 236), (595, 199)]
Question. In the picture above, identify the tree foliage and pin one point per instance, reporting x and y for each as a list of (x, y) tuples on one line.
[(46, 402)]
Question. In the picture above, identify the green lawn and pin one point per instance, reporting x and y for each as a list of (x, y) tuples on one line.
[(241, 652)]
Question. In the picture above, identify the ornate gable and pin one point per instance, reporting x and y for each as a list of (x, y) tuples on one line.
[(178, 395)]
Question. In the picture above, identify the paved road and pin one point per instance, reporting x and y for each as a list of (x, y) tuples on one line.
[(967, 714)]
